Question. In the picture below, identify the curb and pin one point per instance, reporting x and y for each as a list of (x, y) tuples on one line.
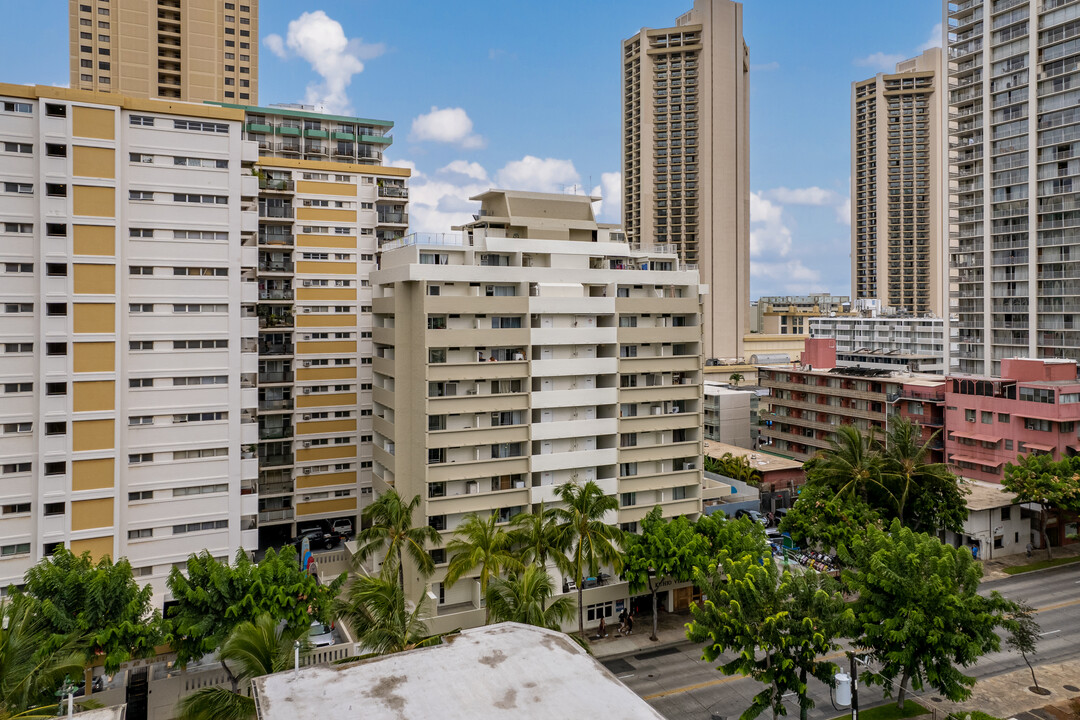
[(660, 645)]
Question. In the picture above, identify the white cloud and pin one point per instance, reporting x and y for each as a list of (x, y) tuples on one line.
[(843, 212), (321, 41), (472, 170), (766, 66), (447, 125), (609, 209), (802, 196), (437, 205), (789, 277), (883, 62), (409, 164), (934, 40), (769, 235), (538, 174)]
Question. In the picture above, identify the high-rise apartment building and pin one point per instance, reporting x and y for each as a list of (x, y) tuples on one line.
[(195, 50), (532, 349), (897, 255), (186, 331), (124, 227), (686, 157), (1014, 158)]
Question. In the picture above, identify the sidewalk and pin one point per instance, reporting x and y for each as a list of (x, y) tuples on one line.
[(994, 569), (671, 630), (1007, 696)]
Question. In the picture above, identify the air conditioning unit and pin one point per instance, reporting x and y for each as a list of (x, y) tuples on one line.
[(306, 309), (307, 390), (307, 416), (307, 337), (690, 466), (307, 443), (307, 471), (307, 363), (675, 409)]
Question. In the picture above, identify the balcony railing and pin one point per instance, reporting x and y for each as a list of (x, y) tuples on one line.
[(286, 294), (275, 433), (274, 460), (275, 349), (401, 218), (276, 266), (267, 516), (393, 191), (276, 404), (273, 184), (275, 321), (276, 377), (276, 240), (275, 211)]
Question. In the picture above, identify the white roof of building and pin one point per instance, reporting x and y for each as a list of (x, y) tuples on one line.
[(987, 496), (499, 671)]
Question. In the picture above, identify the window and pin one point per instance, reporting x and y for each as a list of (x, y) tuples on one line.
[(141, 195), (56, 349), (628, 321), (436, 322), (55, 150), (437, 355), (140, 382), (12, 147), (1004, 418), (1008, 444), (17, 509), (436, 422), (56, 309), (19, 387), (200, 526), (438, 555), (141, 158), (56, 190), (199, 344), (1038, 424), (140, 534), (17, 549), (56, 388), (13, 468), (20, 228), (140, 345), (204, 199), (595, 612), (55, 468), (678, 493), (513, 321), (138, 458), (141, 420), (17, 308), (628, 469), (18, 107), (628, 499), (201, 126), (200, 490), (143, 120), (628, 351), (628, 440), (56, 508), (17, 427), (1039, 395), (14, 268), (20, 188), (203, 453), (56, 428), (1006, 513), (55, 110), (201, 271), (18, 347), (969, 415)]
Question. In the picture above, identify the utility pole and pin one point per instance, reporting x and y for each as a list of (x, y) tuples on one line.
[(854, 688)]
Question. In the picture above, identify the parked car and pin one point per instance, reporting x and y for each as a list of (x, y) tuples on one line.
[(320, 635), (753, 515), (342, 527), (318, 539)]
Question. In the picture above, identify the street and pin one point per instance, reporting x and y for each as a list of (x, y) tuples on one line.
[(679, 684)]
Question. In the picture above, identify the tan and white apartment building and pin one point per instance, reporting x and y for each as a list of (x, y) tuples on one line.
[(527, 350), (1014, 167), (127, 369), (686, 157), (186, 324), (194, 50), (897, 255)]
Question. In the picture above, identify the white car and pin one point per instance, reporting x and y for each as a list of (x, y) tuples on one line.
[(342, 527), (320, 635)]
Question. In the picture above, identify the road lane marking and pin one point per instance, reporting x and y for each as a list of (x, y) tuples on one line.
[(623, 677), (1049, 632)]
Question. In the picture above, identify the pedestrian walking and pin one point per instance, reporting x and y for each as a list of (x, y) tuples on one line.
[(630, 624), (1030, 547), (622, 623)]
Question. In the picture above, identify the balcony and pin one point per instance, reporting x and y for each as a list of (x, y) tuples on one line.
[(279, 376), (275, 294), (278, 266), (275, 321), (273, 184), (275, 349), (275, 433), (393, 191), (392, 218), (270, 516), (275, 211), (276, 404), (275, 239), (276, 460)]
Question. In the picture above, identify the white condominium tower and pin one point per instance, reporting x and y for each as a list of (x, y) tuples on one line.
[(532, 349), (897, 255), (1014, 158), (686, 157)]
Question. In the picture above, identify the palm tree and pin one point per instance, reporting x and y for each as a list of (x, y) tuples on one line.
[(388, 523), (591, 541), (252, 650), (735, 379), (30, 673), (905, 464), (480, 543), (525, 597), (852, 464), (375, 608), (536, 535)]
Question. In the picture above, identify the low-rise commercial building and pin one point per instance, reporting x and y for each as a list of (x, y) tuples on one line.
[(730, 414), (791, 314), (526, 351), (995, 525), (899, 342)]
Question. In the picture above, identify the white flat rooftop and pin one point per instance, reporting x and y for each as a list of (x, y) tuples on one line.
[(499, 671)]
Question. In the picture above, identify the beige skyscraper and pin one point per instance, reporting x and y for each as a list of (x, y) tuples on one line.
[(686, 156), (896, 251), (194, 50)]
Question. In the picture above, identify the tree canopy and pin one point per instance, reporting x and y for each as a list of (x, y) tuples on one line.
[(918, 612), (376, 609), (32, 664), (217, 596), (821, 519), (1046, 482), (525, 597), (388, 525), (99, 604)]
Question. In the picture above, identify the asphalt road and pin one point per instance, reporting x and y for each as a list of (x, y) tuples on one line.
[(676, 682)]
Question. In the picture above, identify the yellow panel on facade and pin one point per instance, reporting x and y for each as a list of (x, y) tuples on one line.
[(93, 162), (93, 474), (326, 506), (95, 279), (325, 480), (326, 241), (95, 240), (309, 187), (326, 453), (327, 373), (92, 435), (326, 214), (98, 547), (325, 268), (94, 357), (308, 401), (95, 318), (326, 348), (93, 396), (94, 201), (325, 294), (93, 123), (325, 426), (90, 514), (323, 321)]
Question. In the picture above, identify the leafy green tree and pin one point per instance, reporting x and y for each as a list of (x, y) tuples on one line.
[(591, 542), (851, 465), (376, 610), (1042, 481), (537, 540), (388, 524), (1023, 633), (525, 597), (918, 613), (253, 649), (215, 597), (821, 519), (664, 549), (926, 495), (777, 624), (98, 603), (32, 665), (731, 538), (479, 543)]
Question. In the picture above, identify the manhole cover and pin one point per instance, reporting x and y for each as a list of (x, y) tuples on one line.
[(1038, 690), (1071, 688), (935, 699)]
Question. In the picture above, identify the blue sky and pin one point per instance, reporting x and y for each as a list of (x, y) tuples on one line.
[(526, 94)]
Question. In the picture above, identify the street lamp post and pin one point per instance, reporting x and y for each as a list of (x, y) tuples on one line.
[(854, 687)]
